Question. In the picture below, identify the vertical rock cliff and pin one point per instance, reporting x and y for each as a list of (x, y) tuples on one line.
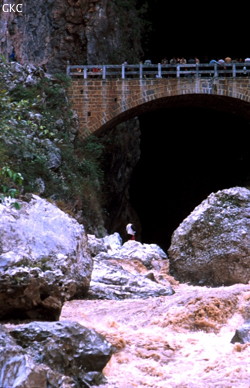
[(52, 32), (122, 145)]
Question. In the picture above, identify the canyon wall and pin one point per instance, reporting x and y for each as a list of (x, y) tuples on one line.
[(53, 32)]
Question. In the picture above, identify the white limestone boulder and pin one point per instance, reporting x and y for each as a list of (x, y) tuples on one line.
[(44, 260), (212, 245)]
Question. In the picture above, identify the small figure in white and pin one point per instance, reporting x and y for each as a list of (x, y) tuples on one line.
[(131, 231)]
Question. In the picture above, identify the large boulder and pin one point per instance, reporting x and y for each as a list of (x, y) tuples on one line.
[(19, 370), (123, 271), (111, 247), (43, 260), (212, 245), (56, 354), (111, 281)]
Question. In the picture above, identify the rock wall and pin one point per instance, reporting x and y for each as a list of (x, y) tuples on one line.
[(122, 153), (52, 32)]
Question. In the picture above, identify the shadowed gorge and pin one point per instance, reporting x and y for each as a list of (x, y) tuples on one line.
[(186, 153)]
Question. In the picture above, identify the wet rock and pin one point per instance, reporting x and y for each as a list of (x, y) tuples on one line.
[(242, 335), (44, 260), (212, 245), (18, 369), (55, 354), (112, 280)]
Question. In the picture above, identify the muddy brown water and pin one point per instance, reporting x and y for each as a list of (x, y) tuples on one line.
[(180, 341)]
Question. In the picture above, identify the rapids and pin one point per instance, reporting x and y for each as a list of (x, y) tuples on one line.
[(174, 341)]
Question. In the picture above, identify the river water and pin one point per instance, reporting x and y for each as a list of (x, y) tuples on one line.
[(174, 341)]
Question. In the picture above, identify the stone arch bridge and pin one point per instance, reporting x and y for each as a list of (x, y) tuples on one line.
[(106, 95)]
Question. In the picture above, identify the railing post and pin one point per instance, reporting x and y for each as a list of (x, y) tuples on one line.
[(123, 71), (178, 71), (234, 69), (159, 70), (68, 69), (140, 70), (215, 70), (103, 72), (197, 70)]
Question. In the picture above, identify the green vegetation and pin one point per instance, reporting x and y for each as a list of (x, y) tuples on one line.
[(39, 151), (10, 184)]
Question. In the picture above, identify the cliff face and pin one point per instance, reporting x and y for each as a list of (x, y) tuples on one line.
[(52, 32), (122, 153)]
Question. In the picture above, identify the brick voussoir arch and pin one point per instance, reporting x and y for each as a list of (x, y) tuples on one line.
[(101, 103)]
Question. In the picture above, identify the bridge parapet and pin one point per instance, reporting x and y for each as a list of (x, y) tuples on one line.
[(159, 70), (101, 102)]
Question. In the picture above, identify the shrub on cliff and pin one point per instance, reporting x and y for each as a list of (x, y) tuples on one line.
[(38, 139)]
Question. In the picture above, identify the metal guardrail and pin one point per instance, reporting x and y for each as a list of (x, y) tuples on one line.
[(141, 71)]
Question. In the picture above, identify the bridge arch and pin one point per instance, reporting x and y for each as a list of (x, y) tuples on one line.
[(197, 145), (215, 103), (102, 103)]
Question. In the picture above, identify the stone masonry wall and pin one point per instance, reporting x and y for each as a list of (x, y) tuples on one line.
[(100, 103)]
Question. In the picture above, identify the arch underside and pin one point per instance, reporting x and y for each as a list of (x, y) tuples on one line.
[(189, 145), (231, 105)]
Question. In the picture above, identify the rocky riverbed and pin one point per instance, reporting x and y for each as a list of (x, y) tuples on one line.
[(183, 340), (191, 336), (81, 311)]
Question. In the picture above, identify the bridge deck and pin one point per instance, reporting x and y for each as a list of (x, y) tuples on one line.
[(141, 71)]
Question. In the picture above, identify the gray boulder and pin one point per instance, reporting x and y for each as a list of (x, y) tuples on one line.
[(112, 280), (111, 247), (56, 354), (44, 260), (146, 253), (242, 335), (212, 245), (19, 370), (109, 244)]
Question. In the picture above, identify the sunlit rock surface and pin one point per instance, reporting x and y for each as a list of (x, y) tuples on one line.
[(55, 354), (126, 270), (111, 281), (43, 260), (111, 247), (212, 245)]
